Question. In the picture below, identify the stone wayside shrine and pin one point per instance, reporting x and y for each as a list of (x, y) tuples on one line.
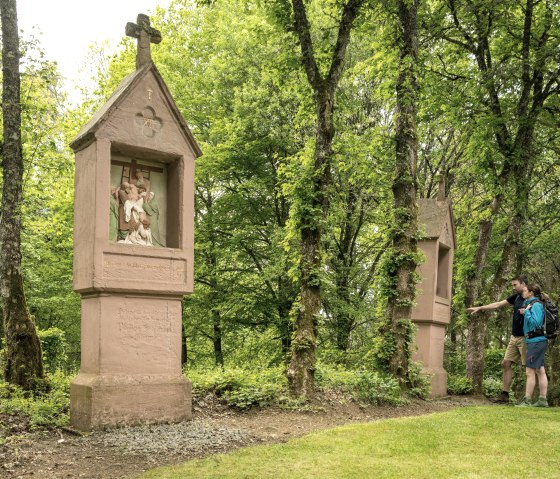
[(432, 312), (133, 252)]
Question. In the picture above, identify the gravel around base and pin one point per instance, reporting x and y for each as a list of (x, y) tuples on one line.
[(191, 438)]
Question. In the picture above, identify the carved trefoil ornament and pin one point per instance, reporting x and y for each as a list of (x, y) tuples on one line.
[(148, 122)]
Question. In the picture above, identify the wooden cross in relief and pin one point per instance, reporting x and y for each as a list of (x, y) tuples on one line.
[(145, 35), (133, 168)]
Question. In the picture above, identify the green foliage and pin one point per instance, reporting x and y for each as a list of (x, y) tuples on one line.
[(54, 348), (454, 361), (44, 409), (47, 208), (418, 382), (377, 389), (493, 358), (492, 386), (243, 388), (367, 386), (459, 385), (240, 388), (382, 348), (249, 396)]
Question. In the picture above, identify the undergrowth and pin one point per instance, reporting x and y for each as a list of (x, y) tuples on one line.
[(243, 389), (48, 408)]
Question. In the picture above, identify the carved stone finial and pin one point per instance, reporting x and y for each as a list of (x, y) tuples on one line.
[(145, 35)]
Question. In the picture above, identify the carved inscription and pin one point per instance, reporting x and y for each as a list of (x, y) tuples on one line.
[(147, 336), (148, 323), (147, 269)]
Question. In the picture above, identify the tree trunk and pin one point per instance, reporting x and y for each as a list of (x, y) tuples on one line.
[(478, 323), (301, 370), (404, 192), (286, 300), (23, 350), (217, 338), (344, 318)]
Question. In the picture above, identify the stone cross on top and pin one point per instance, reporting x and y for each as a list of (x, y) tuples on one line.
[(145, 35)]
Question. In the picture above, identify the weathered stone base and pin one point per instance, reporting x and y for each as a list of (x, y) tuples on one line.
[(430, 338), (438, 381), (105, 401)]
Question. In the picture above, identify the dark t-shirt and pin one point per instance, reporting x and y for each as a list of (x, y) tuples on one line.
[(516, 300)]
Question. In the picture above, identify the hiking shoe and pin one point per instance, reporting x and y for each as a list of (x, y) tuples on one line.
[(542, 402), (525, 402), (502, 398)]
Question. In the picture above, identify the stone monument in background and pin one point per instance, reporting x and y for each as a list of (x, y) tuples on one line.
[(133, 251), (432, 312)]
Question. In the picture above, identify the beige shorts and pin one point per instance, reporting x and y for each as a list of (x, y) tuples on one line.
[(516, 351)]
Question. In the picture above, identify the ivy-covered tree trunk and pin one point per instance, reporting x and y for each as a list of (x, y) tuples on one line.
[(23, 350), (404, 192), (301, 370)]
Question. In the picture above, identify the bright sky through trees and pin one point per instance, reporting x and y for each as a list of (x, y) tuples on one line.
[(66, 28)]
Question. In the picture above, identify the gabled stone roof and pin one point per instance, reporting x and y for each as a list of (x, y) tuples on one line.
[(432, 215), (87, 133)]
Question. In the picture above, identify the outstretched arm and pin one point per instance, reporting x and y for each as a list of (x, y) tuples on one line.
[(488, 307)]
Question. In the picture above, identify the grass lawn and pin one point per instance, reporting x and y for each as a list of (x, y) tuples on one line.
[(475, 442)]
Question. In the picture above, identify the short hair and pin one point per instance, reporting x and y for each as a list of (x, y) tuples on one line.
[(521, 278)]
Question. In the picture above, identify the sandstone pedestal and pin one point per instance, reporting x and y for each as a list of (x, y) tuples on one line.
[(432, 312), (133, 252), (430, 340), (131, 362)]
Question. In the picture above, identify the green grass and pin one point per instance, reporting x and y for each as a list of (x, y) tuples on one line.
[(482, 442)]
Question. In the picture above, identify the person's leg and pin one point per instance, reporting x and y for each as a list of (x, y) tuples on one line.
[(540, 351), (507, 375), (530, 386), (511, 356), (543, 382)]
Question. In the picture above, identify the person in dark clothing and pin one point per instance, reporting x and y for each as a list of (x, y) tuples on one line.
[(516, 351)]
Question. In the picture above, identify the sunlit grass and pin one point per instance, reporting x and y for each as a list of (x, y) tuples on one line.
[(482, 442)]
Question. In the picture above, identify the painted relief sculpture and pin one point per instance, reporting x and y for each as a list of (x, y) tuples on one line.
[(134, 213)]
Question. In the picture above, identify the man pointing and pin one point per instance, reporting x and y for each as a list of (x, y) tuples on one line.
[(517, 348)]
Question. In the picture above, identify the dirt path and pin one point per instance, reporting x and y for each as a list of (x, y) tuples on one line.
[(127, 452)]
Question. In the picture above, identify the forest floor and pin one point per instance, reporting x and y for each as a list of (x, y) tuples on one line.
[(215, 428)]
